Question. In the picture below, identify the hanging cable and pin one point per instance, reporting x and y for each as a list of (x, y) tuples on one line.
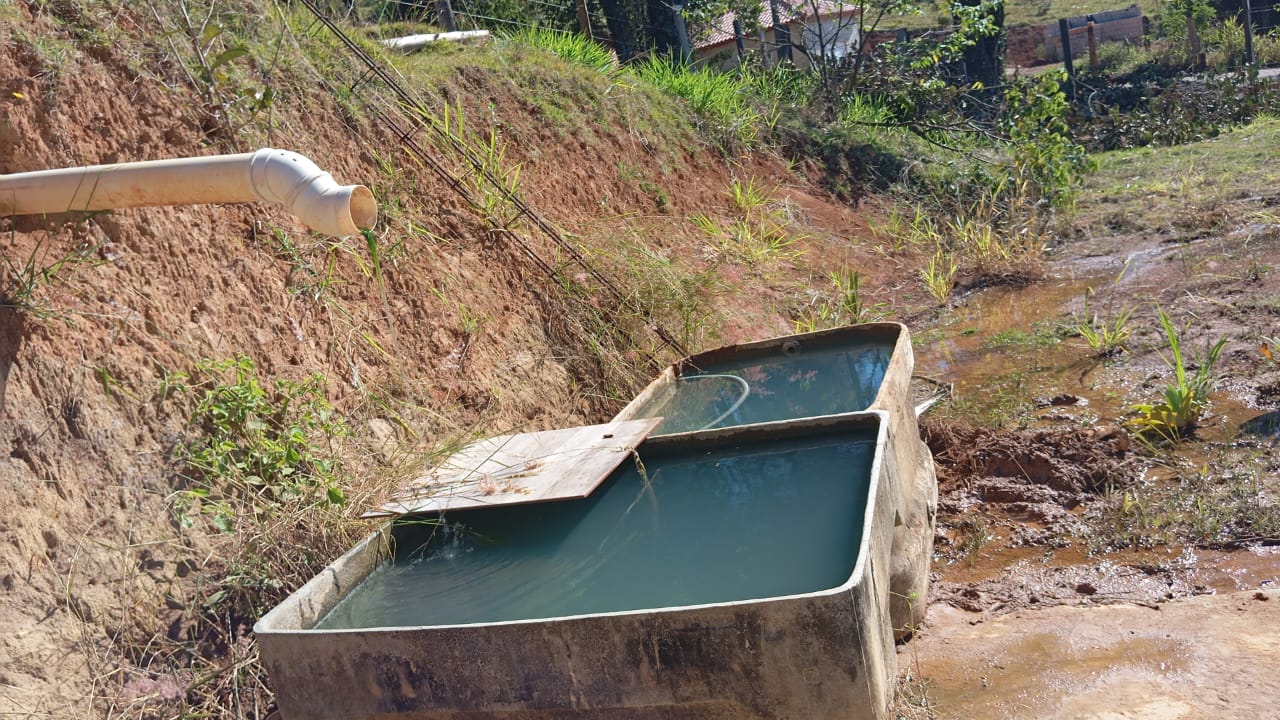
[(425, 120)]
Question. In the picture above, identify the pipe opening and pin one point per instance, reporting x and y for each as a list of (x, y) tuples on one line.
[(363, 208)]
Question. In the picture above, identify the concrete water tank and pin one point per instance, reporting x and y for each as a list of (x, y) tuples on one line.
[(769, 595)]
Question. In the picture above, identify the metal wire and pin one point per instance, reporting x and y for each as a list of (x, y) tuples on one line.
[(421, 113)]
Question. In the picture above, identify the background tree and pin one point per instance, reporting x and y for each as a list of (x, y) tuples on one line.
[(637, 27), (984, 59), (661, 19)]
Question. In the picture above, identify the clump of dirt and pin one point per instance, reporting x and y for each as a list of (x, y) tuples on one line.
[(1006, 496), (1041, 464), (1269, 395)]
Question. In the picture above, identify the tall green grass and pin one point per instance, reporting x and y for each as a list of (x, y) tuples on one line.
[(571, 47), (720, 101)]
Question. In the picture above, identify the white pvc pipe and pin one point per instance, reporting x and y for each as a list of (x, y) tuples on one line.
[(409, 43), (268, 175)]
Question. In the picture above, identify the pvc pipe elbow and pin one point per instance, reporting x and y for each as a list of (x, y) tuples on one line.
[(311, 194)]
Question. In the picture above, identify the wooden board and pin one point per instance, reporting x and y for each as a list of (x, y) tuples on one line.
[(522, 468)]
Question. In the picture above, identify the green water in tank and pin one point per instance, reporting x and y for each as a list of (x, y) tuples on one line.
[(695, 526), (794, 380)]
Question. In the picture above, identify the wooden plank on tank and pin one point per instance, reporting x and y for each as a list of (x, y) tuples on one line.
[(522, 468)]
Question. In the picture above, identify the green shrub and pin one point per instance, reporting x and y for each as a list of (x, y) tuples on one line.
[(253, 449), (1227, 41), (1047, 162), (1266, 48)]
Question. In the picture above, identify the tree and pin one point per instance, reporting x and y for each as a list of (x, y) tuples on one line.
[(1180, 16), (830, 33), (984, 59), (703, 15), (661, 16), (620, 25), (639, 26)]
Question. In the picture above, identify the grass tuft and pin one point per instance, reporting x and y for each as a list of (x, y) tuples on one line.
[(1176, 414), (570, 47), (719, 100)]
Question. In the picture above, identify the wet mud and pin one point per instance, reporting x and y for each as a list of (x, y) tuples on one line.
[(1200, 657), (1081, 570)]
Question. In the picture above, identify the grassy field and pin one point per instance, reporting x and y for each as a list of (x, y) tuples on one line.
[(1146, 187)]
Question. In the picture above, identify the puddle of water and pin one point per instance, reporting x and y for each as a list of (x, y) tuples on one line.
[(1033, 365), (778, 518), (1038, 671), (995, 562), (1252, 569), (995, 311)]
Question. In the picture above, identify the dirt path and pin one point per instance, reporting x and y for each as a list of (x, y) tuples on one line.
[(1213, 656)]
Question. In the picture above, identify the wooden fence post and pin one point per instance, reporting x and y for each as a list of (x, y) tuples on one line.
[(1093, 45), (781, 35), (1064, 31), (1248, 34), (1193, 39)]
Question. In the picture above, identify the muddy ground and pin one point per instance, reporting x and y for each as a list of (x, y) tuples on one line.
[(1210, 656), (1082, 570)]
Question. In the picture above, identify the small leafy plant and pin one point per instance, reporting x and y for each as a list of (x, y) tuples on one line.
[(255, 448), (748, 196), (940, 276), (491, 180), (845, 306), (1176, 415), (230, 103), (1104, 338), (758, 234)]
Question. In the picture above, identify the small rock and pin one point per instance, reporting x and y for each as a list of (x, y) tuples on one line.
[(1260, 596), (384, 438), (1085, 588)]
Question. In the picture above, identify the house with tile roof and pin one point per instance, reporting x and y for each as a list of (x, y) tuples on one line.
[(813, 29)]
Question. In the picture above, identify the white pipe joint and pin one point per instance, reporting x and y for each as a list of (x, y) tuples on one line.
[(311, 194), (270, 175)]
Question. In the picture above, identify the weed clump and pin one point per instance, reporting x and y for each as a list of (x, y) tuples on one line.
[(1176, 414), (570, 47), (23, 284), (255, 448), (717, 99)]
